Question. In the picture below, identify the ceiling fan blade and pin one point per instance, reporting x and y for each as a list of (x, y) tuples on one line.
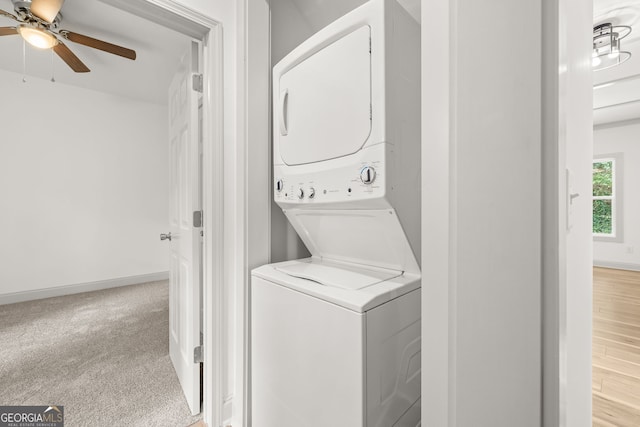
[(99, 44), (8, 15), (70, 58), (8, 31), (46, 9)]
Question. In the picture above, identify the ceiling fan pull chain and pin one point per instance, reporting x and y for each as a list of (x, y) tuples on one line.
[(24, 61), (53, 79)]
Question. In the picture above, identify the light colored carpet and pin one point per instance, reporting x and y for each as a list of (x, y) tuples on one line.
[(103, 355)]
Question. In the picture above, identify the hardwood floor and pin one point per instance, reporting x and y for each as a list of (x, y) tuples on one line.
[(616, 348)]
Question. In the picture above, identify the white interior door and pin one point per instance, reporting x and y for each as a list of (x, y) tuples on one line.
[(185, 282)]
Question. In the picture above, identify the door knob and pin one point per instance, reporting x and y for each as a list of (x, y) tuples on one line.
[(165, 236)]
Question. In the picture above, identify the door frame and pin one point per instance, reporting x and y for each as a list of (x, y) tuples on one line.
[(209, 31)]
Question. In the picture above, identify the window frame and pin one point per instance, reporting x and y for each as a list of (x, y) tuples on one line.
[(617, 208)]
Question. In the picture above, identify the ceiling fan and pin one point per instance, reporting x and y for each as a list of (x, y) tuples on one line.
[(38, 23)]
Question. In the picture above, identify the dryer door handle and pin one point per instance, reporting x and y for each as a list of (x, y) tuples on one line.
[(284, 110)]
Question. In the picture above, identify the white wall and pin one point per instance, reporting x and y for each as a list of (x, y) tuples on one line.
[(482, 223), (497, 215), (288, 28), (500, 268), (84, 184), (622, 139)]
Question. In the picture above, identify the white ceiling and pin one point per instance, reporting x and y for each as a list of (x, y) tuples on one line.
[(147, 78), (616, 95), (158, 48)]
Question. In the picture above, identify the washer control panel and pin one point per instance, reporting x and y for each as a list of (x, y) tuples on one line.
[(362, 182), (349, 180)]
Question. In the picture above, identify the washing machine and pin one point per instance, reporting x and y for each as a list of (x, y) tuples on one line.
[(335, 338), (335, 345)]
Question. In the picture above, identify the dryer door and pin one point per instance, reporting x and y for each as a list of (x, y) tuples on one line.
[(323, 110)]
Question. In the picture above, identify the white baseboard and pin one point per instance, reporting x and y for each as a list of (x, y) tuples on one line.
[(81, 287), (617, 265)]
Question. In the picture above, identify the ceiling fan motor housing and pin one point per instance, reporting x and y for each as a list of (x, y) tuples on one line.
[(23, 10)]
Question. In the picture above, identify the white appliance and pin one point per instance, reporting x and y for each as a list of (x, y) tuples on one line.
[(335, 339)]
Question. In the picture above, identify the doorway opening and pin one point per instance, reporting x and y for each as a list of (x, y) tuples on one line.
[(194, 26)]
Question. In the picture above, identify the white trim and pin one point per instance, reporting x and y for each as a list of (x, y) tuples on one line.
[(617, 265), (620, 104), (568, 297), (619, 80), (213, 205), (620, 123), (169, 14), (78, 288), (192, 23), (553, 212), (240, 409), (253, 178), (438, 215)]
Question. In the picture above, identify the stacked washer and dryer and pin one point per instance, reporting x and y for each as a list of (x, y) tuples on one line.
[(335, 338)]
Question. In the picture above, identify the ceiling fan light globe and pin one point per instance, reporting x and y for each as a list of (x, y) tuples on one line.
[(595, 61), (37, 38)]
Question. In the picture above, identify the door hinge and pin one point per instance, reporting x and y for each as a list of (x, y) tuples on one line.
[(197, 218), (198, 83), (198, 354)]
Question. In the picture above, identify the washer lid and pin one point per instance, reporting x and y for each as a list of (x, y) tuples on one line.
[(358, 300), (337, 275), (370, 238)]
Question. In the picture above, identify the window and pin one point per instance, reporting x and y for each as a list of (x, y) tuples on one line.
[(607, 192)]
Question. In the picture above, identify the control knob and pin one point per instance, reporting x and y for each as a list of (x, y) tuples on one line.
[(367, 175), (279, 185), (312, 192), (300, 193)]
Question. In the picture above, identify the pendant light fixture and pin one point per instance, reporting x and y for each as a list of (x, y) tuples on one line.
[(607, 49)]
